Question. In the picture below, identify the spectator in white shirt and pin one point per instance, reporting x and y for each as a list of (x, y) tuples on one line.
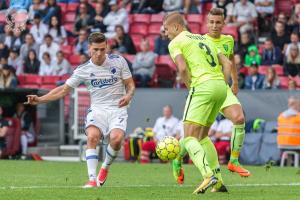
[(28, 45), (39, 29), (172, 5), (7, 36), (82, 43), (57, 31), (49, 46), (62, 65), (164, 126), (245, 15), (47, 67), (15, 61), (117, 16), (36, 7), (294, 40)]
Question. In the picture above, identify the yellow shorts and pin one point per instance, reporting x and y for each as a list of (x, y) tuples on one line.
[(204, 102), (231, 99)]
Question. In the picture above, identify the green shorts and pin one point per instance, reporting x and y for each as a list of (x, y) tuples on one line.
[(231, 99), (204, 102)]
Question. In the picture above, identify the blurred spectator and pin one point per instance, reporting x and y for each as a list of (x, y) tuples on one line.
[(4, 52), (229, 19), (123, 41), (7, 36), (254, 80), (292, 61), (27, 135), (15, 61), (97, 21), (31, 63), (179, 132), (244, 44), (36, 7), (296, 26), (83, 19), (280, 36), (39, 29), (52, 9), (143, 64), (220, 132), (271, 79), (82, 43), (252, 56), (192, 7), (271, 54), (294, 40), (49, 46), (161, 43), (62, 65), (57, 31), (17, 40), (117, 16), (28, 45), (47, 67), (222, 4), (244, 15), (164, 126), (3, 131), (151, 7), (288, 24), (89, 7), (83, 58), (292, 85), (239, 67), (172, 5), (265, 9), (7, 77)]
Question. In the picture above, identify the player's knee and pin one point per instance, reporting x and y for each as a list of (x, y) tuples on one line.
[(116, 140), (239, 118), (93, 139)]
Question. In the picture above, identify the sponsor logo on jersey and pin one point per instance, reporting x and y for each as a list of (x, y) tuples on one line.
[(113, 70), (225, 47), (100, 83)]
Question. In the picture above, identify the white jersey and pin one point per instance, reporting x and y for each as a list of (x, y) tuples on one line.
[(105, 82)]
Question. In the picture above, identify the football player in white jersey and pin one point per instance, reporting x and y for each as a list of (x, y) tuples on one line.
[(111, 87)]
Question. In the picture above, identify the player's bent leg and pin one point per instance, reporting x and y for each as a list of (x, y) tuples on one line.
[(93, 138), (116, 138), (235, 114)]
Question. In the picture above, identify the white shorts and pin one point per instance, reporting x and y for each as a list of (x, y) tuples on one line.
[(106, 119)]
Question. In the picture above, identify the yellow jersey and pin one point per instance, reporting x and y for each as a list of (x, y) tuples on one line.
[(225, 44)]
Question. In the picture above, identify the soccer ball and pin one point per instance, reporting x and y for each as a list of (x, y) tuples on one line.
[(167, 148)]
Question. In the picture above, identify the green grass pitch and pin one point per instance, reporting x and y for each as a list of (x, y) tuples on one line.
[(60, 180)]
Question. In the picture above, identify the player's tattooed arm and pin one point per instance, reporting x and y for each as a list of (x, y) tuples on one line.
[(53, 95), (227, 66), (130, 88), (234, 76), (183, 70)]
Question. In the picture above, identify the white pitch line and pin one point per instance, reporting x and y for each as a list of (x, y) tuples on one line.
[(143, 186)]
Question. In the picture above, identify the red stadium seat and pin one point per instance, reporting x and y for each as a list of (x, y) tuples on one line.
[(69, 27), (263, 69), (50, 79), (278, 69), (284, 6), (140, 28), (231, 30), (67, 50), (2, 18), (70, 17), (284, 82), (63, 7), (72, 7), (130, 19), (166, 60), (203, 29), (74, 59), (31, 81), (137, 38), (12, 138), (297, 79), (129, 57), (206, 7), (141, 18), (22, 79), (194, 18), (194, 27), (163, 76), (156, 18), (154, 29), (151, 39)]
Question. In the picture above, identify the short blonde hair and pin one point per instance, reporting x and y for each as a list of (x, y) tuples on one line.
[(174, 17)]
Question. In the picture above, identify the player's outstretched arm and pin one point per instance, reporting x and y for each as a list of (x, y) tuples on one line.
[(234, 77), (227, 66), (53, 95), (130, 88), (183, 70)]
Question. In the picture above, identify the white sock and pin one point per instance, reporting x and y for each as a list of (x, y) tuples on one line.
[(24, 144), (111, 154), (92, 162)]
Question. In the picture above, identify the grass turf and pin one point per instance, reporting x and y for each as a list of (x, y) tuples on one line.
[(59, 180)]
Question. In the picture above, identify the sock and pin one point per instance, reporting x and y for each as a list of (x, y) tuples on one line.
[(237, 140), (111, 154), (198, 156), (183, 151), (24, 144), (212, 156), (92, 162)]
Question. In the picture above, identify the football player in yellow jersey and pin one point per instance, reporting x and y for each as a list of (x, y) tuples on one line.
[(231, 108), (200, 67)]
